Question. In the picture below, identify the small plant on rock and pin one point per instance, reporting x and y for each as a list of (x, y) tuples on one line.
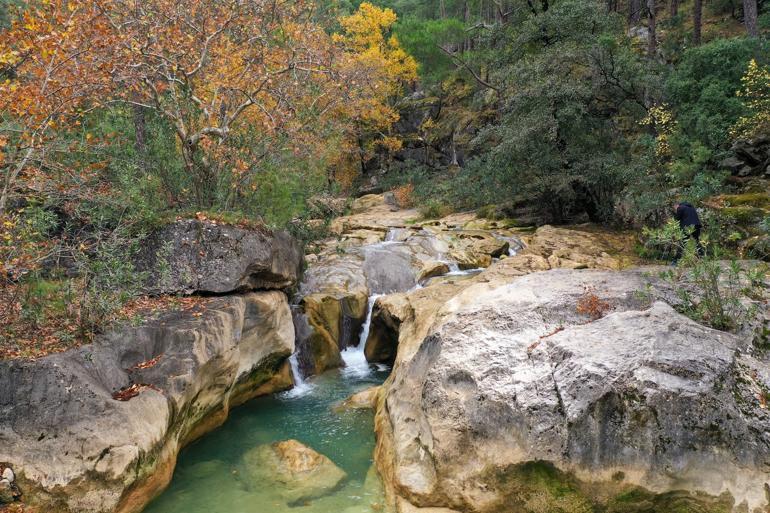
[(591, 305)]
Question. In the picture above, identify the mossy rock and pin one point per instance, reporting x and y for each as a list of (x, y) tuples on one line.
[(540, 487), (638, 500), (752, 199), (758, 247), (744, 215), (537, 487)]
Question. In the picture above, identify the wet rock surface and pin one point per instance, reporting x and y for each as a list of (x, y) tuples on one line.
[(380, 249), (98, 428)]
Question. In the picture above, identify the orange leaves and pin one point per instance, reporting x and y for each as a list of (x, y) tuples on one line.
[(128, 393), (591, 305)]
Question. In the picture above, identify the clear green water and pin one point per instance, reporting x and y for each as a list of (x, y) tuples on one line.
[(207, 477)]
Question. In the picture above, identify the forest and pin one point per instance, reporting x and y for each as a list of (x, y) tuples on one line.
[(117, 117)]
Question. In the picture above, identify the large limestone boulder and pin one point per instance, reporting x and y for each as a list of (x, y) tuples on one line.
[(192, 255), (294, 472), (98, 429), (510, 399)]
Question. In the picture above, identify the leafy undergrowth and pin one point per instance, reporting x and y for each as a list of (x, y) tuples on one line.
[(49, 324)]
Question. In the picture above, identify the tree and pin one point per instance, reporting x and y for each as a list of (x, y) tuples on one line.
[(216, 69), (652, 37), (697, 16), (755, 94), (373, 51), (634, 12), (53, 69), (565, 83), (750, 17)]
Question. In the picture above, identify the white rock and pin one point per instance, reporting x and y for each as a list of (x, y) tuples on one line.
[(8, 475)]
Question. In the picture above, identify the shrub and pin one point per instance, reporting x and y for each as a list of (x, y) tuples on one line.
[(434, 209), (404, 195), (715, 292), (591, 305)]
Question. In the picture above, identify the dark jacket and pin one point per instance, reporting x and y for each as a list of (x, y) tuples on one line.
[(687, 215)]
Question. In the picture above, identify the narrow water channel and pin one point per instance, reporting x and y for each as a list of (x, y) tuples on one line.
[(208, 477)]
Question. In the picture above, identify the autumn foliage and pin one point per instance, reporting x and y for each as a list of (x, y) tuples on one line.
[(237, 81), (243, 97)]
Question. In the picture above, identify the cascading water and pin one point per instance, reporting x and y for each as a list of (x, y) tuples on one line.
[(209, 476), (301, 387), (353, 356)]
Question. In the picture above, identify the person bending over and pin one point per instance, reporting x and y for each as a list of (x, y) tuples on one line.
[(690, 224)]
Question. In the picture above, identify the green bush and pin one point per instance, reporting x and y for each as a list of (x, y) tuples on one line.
[(722, 294)]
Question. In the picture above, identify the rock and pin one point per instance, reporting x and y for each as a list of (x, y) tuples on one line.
[(363, 400), (296, 472), (74, 447), (732, 164), (388, 270), (387, 315), (7, 494), (502, 394), (367, 203), (470, 259), (191, 255), (334, 319), (8, 475), (431, 269)]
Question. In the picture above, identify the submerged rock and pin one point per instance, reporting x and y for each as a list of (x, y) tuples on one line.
[(363, 400), (505, 398), (191, 255), (98, 429), (291, 470)]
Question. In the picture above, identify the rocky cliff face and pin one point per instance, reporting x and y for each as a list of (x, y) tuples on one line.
[(98, 429), (505, 397)]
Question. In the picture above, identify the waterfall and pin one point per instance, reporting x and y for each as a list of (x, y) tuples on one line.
[(301, 387), (354, 358)]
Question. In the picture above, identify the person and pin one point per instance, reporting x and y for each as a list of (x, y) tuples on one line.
[(690, 224)]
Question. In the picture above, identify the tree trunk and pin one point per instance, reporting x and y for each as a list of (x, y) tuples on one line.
[(750, 17), (634, 12), (697, 15), (652, 39), (674, 8)]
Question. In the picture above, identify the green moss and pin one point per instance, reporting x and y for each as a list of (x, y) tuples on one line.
[(540, 487), (744, 214), (753, 199), (638, 500)]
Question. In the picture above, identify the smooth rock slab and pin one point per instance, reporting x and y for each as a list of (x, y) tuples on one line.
[(513, 377), (75, 447)]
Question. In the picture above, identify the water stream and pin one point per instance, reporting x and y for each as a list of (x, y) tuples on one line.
[(209, 478), (210, 474)]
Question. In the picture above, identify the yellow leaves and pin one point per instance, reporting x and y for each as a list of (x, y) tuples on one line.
[(755, 93), (661, 119)]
